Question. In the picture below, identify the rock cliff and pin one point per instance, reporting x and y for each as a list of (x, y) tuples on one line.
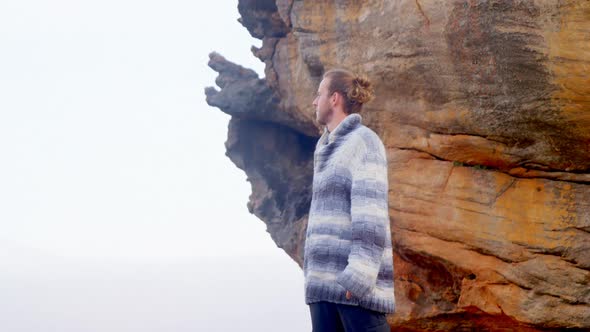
[(484, 107)]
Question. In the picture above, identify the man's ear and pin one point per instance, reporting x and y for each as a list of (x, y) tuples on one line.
[(334, 98)]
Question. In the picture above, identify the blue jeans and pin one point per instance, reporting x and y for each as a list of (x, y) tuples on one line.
[(340, 317)]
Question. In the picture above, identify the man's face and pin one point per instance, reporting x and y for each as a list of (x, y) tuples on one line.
[(323, 104)]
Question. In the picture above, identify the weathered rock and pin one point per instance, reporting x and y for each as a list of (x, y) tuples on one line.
[(246, 96), (484, 107), (279, 164)]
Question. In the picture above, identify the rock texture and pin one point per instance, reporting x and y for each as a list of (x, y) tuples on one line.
[(484, 107)]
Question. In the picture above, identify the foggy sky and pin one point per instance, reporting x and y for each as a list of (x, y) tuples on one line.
[(120, 210)]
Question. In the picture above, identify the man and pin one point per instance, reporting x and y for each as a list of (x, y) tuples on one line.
[(348, 264)]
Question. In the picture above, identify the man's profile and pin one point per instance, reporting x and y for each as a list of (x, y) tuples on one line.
[(348, 265)]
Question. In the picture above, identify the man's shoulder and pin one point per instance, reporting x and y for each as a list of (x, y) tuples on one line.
[(369, 140)]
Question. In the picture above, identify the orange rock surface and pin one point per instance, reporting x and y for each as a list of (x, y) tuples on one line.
[(484, 107)]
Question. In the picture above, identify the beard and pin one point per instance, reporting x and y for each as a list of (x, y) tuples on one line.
[(325, 116)]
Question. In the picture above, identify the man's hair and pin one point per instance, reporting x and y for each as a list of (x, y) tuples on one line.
[(356, 90)]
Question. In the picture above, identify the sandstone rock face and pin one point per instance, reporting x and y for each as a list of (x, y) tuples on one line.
[(484, 107)]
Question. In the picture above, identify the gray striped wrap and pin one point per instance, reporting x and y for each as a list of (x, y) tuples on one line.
[(348, 238)]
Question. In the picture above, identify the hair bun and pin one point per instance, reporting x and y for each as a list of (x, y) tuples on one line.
[(361, 91)]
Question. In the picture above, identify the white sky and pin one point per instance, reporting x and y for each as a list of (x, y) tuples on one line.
[(110, 154)]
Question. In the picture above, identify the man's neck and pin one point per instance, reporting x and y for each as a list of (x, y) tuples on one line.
[(331, 126)]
